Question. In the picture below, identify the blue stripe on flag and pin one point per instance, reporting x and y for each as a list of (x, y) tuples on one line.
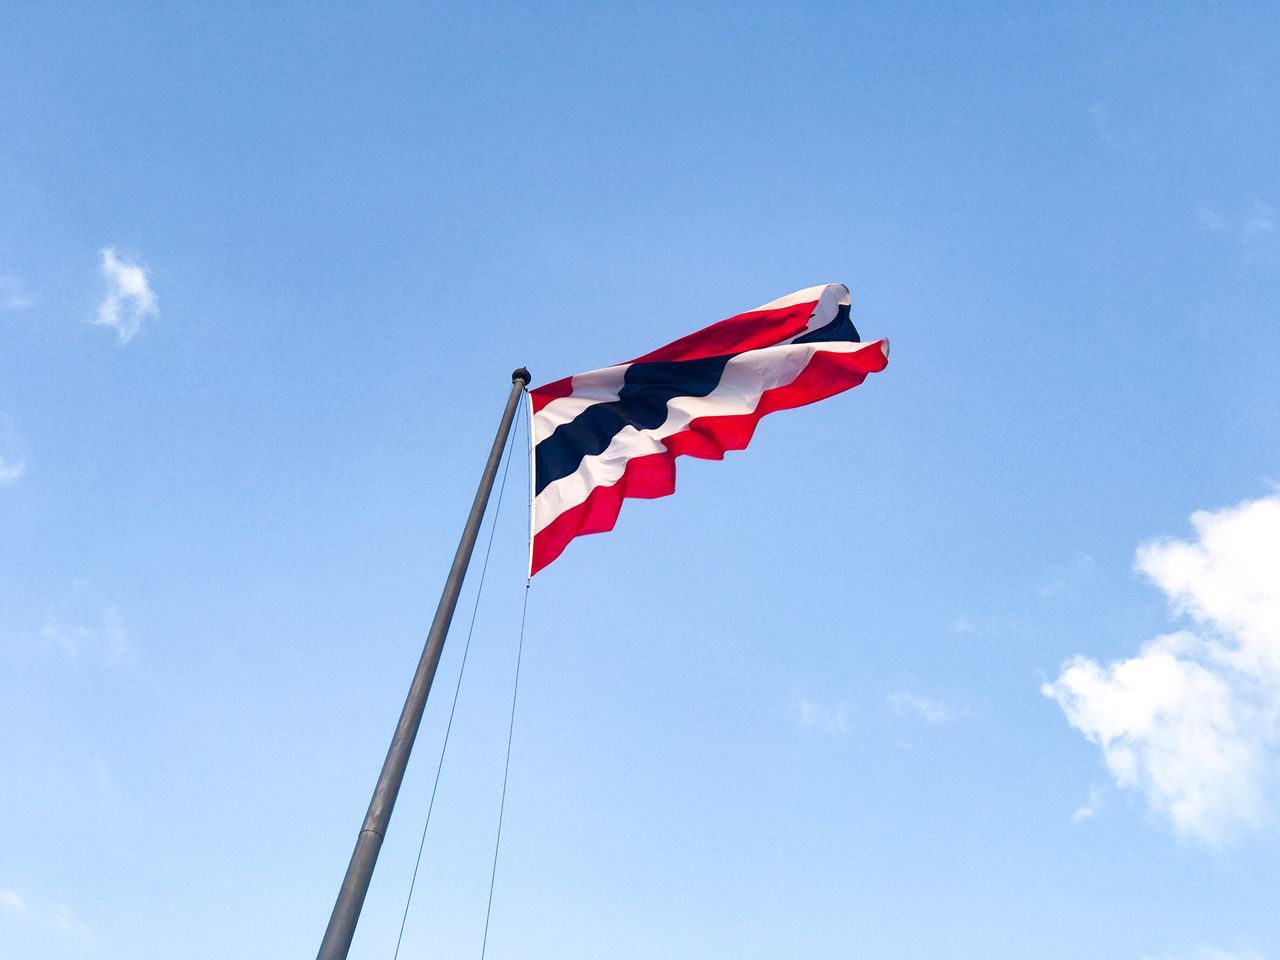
[(841, 328), (642, 403)]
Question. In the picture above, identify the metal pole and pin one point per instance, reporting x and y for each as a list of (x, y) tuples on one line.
[(346, 911)]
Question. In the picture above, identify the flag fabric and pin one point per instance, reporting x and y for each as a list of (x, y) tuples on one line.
[(603, 436)]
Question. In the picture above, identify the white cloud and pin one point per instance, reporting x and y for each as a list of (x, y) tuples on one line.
[(1192, 721), (129, 299), (13, 295), (11, 900), (932, 712), (10, 472), (817, 716)]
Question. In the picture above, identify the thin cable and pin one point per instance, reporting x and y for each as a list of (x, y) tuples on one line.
[(456, 690), (506, 770), (497, 843)]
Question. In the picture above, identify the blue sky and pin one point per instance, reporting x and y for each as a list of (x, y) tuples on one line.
[(938, 668)]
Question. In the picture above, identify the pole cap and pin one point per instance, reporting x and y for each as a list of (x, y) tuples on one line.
[(521, 375)]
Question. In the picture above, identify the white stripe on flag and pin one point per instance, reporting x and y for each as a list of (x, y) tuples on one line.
[(595, 386)]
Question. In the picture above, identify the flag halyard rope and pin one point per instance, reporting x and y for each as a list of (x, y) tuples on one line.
[(511, 725), (466, 649), (506, 771)]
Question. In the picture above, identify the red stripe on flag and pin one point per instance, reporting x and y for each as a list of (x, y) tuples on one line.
[(707, 438), (746, 331), (541, 396)]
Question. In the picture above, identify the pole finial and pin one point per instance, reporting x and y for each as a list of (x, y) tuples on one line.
[(521, 375)]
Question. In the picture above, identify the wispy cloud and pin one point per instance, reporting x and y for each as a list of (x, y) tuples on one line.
[(831, 718), (1207, 952), (106, 637), (1192, 720), (62, 917), (10, 472), (129, 299), (1255, 224), (1210, 216), (15, 296), (1112, 129), (986, 628), (47, 914), (1261, 221), (933, 712), (1068, 578), (1089, 808), (1099, 114)]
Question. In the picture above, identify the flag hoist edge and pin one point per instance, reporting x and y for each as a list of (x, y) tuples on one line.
[(603, 436)]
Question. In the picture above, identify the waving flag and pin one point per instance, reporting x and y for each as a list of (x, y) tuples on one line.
[(614, 433)]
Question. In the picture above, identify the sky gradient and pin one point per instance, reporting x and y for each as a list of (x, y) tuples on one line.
[(941, 667)]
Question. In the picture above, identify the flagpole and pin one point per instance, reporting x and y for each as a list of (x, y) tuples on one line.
[(346, 911)]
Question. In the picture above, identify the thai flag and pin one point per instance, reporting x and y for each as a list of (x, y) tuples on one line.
[(614, 433)]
